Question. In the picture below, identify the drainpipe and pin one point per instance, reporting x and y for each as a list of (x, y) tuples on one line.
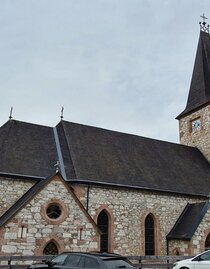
[(88, 197)]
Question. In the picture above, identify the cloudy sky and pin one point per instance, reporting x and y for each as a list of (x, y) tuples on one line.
[(124, 65)]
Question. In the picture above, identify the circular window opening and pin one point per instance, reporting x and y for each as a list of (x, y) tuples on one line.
[(54, 211)]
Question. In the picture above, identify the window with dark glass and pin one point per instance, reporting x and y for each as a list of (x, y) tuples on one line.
[(103, 224), (149, 236), (59, 259), (50, 249), (72, 260), (54, 211), (91, 263), (207, 243)]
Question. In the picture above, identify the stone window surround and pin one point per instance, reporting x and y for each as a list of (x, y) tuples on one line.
[(110, 227), (157, 235), (64, 212), (41, 244)]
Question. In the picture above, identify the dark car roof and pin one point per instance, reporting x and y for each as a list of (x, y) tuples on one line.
[(98, 254)]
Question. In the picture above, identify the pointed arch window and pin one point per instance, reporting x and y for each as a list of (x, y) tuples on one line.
[(149, 235), (103, 224), (50, 249), (207, 242)]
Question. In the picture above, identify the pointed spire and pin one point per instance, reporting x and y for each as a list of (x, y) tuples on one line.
[(199, 93)]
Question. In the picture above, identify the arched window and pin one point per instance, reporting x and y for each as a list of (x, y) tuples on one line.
[(50, 249), (149, 235), (103, 224), (207, 243)]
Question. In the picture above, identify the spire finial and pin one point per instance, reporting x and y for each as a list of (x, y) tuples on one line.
[(62, 109), (203, 26), (10, 114), (57, 167)]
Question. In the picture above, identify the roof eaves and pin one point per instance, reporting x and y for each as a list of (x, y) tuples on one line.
[(14, 175), (189, 111), (91, 182)]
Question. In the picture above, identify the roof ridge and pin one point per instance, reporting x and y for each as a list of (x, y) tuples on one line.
[(62, 124)]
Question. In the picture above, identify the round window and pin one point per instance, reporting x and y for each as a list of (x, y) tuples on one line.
[(54, 211)]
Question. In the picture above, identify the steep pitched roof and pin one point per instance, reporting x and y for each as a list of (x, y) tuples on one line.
[(27, 149), (104, 156), (99, 156), (199, 93), (188, 221)]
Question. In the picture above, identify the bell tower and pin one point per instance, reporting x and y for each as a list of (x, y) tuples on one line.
[(194, 121)]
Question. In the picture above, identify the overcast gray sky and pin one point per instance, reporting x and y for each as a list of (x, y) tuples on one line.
[(124, 65)]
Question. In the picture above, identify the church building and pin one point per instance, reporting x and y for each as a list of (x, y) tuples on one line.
[(74, 187)]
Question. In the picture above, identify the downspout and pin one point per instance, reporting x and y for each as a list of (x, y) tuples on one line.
[(88, 198)]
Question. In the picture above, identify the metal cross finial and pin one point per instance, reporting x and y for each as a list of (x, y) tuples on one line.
[(62, 109), (203, 26), (57, 166), (204, 18), (10, 114)]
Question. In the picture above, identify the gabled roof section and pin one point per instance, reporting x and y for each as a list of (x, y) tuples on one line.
[(33, 191), (27, 149), (199, 93), (188, 221), (109, 157)]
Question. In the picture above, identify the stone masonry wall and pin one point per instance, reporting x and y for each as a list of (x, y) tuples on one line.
[(128, 209), (11, 190), (28, 232), (200, 139)]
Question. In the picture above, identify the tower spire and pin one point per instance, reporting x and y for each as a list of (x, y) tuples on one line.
[(199, 93)]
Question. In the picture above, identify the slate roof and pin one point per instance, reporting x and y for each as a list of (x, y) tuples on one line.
[(188, 222), (199, 93), (96, 155), (27, 149)]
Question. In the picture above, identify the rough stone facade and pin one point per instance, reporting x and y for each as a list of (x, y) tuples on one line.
[(127, 210), (200, 138), (30, 229), (11, 190), (28, 232)]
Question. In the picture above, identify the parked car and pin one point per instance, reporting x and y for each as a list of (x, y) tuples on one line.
[(85, 260), (200, 261)]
